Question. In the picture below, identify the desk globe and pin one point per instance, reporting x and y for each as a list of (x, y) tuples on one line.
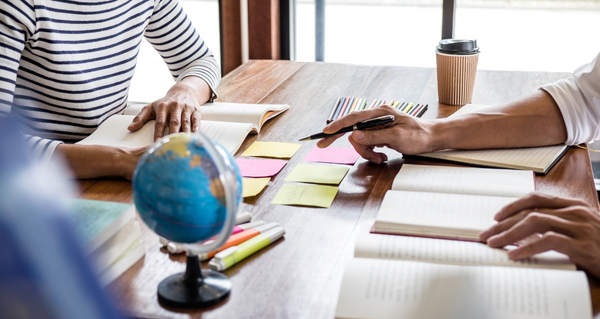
[(187, 189)]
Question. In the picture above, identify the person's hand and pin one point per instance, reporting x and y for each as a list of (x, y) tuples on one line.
[(179, 109), (569, 226), (406, 134)]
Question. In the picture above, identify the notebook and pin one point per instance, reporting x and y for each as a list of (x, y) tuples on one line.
[(537, 159), (227, 123), (448, 202)]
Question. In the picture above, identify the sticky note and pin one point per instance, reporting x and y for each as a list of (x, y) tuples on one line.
[(305, 195), (253, 186), (336, 155), (259, 167), (318, 174), (272, 149)]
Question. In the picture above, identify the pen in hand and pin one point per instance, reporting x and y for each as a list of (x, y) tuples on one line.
[(358, 126)]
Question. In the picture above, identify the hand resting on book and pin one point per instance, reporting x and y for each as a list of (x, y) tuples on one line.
[(568, 226), (179, 109)]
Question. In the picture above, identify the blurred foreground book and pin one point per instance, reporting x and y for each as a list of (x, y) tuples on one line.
[(111, 236)]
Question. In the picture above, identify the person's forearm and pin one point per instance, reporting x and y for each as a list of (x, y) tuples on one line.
[(532, 121), (92, 161)]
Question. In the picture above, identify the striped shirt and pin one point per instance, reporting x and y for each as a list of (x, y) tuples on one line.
[(66, 65)]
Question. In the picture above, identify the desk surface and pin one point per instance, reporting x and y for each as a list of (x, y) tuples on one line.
[(299, 276)]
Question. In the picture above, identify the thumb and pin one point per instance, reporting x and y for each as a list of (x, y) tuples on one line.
[(140, 119)]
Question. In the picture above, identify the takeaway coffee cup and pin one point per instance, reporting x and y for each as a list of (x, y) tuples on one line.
[(456, 70)]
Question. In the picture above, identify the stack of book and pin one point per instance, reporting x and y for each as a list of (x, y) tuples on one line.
[(440, 211), (110, 236)]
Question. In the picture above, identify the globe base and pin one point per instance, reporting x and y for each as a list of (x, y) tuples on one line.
[(195, 288)]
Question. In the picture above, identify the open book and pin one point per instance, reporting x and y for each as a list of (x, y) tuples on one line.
[(412, 277), (391, 289), (226, 123), (449, 202), (537, 159)]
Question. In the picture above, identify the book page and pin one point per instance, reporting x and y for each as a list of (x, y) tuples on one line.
[(464, 180), (438, 214), (538, 159), (390, 289), (230, 135), (452, 252), (255, 114), (113, 132)]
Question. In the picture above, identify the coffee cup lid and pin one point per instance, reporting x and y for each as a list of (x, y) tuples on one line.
[(456, 46)]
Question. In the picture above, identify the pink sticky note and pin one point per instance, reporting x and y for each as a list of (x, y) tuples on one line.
[(337, 155), (259, 167)]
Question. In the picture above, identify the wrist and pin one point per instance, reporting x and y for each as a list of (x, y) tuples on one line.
[(440, 135)]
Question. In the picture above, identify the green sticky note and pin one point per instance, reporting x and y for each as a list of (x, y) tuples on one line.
[(318, 174), (305, 195), (253, 186), (272, 149)]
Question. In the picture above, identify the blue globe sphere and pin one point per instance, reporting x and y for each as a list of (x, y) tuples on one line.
[(178, 189)]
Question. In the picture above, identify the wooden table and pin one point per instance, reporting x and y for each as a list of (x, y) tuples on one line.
[(299, 276)]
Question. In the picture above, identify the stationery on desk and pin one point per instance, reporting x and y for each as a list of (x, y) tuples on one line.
[(448, 202), (537, 159), (346, 105), (227, 123)]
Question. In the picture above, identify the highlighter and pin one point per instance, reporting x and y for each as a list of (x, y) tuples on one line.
[(235, 254), (237, 239)]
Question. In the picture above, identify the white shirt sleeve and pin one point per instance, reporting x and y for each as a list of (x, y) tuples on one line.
[(578, 99)]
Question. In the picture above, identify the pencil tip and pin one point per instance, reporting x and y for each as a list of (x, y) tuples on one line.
[(305, 139)]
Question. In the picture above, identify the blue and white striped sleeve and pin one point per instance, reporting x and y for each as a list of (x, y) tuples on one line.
[(173, 36), (17, 25)]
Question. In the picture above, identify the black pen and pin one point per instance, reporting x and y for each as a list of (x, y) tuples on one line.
[(358, 126)]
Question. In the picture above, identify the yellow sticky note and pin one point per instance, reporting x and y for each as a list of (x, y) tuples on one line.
[(272, 149), (318, 174), (305, 195), (253, 186)]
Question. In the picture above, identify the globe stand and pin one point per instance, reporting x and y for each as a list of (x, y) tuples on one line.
[(196, 287)]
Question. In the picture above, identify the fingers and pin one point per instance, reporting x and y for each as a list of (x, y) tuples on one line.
[(549, 241), (161, 123), (139, 120), (367, 152), (175, 122), (536, 200), (196, 117), (375, 137), (502, 225), (323, 143), (533, 223), (356, 117)]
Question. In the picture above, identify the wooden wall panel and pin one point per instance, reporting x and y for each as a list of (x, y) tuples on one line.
[(263, 29), (231, 35)]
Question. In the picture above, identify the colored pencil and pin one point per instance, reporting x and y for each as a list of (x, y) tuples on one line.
[(348, 100), (347, 110), (373, 104), (353, 108), (423, 110), (408, 108), (335, 107), (416, 109)]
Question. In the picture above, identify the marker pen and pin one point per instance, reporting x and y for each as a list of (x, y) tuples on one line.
[(235, 254)]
